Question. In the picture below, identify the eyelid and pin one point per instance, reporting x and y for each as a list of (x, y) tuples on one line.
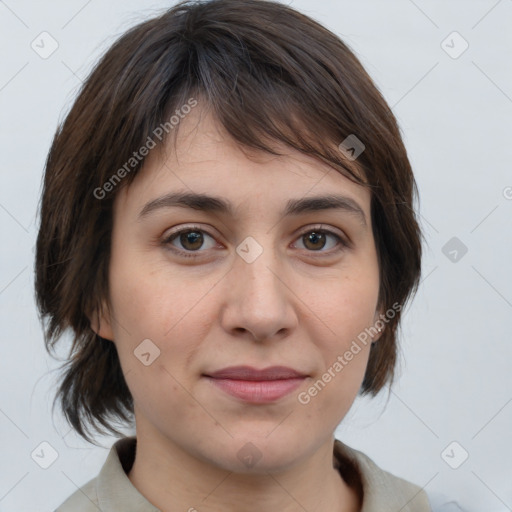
[(182, 229), (325, 229)]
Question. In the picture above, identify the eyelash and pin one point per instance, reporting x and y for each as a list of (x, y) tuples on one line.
[(196, 254)]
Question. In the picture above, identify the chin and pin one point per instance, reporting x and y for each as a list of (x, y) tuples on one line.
[(259, 454)]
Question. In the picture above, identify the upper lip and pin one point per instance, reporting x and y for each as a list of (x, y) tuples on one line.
[(250, 373)]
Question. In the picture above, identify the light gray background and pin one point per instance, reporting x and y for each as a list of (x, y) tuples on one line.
[(455, 115)]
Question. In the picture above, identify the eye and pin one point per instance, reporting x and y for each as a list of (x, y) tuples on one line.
[(315, 239), (191, 239)]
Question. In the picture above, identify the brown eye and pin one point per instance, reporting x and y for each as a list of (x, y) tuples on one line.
[(314, 240), (189, 240)]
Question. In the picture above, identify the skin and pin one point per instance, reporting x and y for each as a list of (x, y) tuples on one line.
[(298, 304)]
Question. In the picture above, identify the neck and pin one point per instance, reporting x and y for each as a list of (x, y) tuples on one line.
[(172, 479)]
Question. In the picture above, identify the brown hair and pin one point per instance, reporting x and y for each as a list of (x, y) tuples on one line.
[(268, 73)]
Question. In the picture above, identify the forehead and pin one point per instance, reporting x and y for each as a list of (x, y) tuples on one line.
[(205, 159)]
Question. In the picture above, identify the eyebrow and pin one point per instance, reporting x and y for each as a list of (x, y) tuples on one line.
[(213, 204)]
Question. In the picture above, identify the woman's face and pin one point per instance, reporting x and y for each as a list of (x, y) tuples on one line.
[(250, 285)]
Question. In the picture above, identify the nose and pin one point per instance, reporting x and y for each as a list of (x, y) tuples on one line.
[(259, 299)]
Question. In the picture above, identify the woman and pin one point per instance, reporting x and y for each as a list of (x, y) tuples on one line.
[(227, 226)]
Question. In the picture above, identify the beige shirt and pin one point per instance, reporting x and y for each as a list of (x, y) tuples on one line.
[(112, 491)]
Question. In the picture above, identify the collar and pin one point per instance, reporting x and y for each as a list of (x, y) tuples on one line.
[(380, 491)]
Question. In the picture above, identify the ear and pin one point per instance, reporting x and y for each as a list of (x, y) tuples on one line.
[(101, 322)]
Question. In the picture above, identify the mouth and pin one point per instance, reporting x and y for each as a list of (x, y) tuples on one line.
[(257, 386)]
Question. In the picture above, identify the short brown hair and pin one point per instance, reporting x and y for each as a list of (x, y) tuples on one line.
[(268, 73)]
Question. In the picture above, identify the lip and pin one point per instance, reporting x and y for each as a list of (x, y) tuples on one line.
[(253, 374), (257, 386)]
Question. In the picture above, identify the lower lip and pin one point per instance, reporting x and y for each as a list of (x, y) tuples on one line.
[(258, 392)]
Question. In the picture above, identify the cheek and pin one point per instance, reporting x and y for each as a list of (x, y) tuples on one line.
[(171, 312), (146, 308), (152, 298), (347, 311), (345, 306)]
